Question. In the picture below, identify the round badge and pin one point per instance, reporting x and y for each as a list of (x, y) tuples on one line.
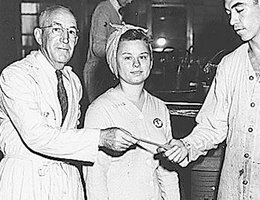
[(158, 123)]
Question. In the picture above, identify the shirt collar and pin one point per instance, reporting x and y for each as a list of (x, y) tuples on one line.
[(116, 5), (46, 64)]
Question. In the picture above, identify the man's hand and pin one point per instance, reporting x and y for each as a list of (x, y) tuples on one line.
[(176, 152), (116, 139)]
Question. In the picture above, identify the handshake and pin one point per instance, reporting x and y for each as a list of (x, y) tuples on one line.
[(118, 139)]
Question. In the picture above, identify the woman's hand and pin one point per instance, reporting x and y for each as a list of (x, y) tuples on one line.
[(176, 151)]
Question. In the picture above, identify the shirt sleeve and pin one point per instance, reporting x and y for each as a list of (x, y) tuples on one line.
[(168, 128), (168, 179), (96, 179), (19, 100), (169, 183), (100, 31), (212, 126)]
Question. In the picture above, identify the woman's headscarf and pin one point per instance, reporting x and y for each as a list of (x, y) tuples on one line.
[(113, 42)]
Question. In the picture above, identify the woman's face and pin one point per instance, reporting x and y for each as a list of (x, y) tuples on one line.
[(133, 61)]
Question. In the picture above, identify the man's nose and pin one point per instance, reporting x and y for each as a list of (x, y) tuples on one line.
[(233, 18), (65, 36)]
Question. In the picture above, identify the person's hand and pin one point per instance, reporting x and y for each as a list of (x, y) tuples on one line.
[(176, 151), (116, 139)]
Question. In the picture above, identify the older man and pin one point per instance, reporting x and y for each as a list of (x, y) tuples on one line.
[(97, 76), (39, 112), (231, 110)]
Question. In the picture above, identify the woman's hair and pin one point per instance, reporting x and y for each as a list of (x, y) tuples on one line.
[(136, 34)]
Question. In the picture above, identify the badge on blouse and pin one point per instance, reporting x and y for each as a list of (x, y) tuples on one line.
[(158, 123)]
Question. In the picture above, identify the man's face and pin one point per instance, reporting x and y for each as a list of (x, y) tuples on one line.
[(244, 16), (58, 40), (123, 3)]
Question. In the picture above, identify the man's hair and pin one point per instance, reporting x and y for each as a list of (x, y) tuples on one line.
[(136, 34), (46, 13)]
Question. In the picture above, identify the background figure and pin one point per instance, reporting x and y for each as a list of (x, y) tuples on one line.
[(96, 74), (231, 110), (39, 112), (135, 174)]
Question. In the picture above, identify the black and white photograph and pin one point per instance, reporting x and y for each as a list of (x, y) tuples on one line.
[(129, 100)]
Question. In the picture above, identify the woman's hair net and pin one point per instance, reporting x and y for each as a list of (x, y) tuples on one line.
[(113, 42)]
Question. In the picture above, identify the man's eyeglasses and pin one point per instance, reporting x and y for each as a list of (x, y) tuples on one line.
[(58, 30)]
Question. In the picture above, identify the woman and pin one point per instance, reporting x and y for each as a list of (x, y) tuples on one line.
[(135, 175)]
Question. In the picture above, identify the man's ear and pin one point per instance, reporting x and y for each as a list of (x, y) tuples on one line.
[(76, 41), (38, 35), (151, 62)]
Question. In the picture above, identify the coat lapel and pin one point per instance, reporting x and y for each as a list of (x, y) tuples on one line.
[(74, 96), (47, 87), (47, 82)]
